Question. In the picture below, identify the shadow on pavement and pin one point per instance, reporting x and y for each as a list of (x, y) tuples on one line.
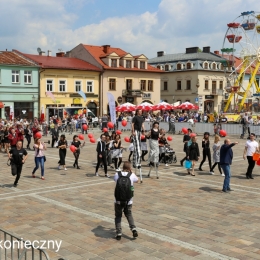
[(210, 189), (181, 173), (7, 185)]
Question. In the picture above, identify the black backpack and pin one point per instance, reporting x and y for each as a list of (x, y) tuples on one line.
[(123, 190)]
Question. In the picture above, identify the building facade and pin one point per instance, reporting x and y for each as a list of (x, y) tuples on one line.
[(195, 76), (129, 78), (19, 86), (60, 80)]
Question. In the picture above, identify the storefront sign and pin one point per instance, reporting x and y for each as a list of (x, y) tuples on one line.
[(130, 99), (56, 101), (209, 96), (147, 96), (76, 101)]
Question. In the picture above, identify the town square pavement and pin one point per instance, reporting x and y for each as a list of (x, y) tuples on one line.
[(177, 216)]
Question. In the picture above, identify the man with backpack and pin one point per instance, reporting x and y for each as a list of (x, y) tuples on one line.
[(124, 192)]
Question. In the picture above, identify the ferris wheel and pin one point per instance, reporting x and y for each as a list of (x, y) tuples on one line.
[(241, 53)]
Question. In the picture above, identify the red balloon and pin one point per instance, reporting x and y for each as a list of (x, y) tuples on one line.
[(90, 136), (142, 137), (127, 139), (38, 135), (184, 130), (81, 137), (222, 132), (92, 140), (110, 124), (124, 123), (258, 162), (85, 127), (192, 135), (73, 148), (105, 129), (169, 138), (118, 132)]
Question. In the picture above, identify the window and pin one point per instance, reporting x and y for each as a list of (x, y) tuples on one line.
[(159, 67), (143, 85), (221, 85), (15, 76), (214, 66), (221, 67), (77, 86), (206, 65), (188, 85), (27, 77), (49, 85), (166, 67), (90, 86), (165, 85), (62, 85), (129, 84), (188, 66), (128, 64), (206, 84), (179, 66), (142, 65), (214, 87), (112, 84), (178, 85), (150, 85), (113, 63)]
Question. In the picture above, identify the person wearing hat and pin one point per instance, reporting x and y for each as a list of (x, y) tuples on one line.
[(251, 147), (186, 139), (206, 150)]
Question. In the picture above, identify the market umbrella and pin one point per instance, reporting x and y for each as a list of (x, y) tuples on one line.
[(188, 105), (145, 106), (126, 107), (163, 106)]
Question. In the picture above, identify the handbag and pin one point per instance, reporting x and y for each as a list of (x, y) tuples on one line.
[(44, 158), (187, 164)]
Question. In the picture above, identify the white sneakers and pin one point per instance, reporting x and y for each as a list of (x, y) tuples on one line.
[(118, 169), (223, 174), (166, 165), (96, 174), (59, 167), (65, 169), (212, 173)]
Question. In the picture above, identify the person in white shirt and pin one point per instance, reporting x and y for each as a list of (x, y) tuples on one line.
[(125, 206), (250, 148)]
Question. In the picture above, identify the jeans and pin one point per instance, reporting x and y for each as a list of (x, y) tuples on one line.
[(226, 170), (118, 216), (39, 160), (251, 165)]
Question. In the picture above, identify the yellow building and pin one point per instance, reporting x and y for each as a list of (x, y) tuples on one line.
[(60, 80)]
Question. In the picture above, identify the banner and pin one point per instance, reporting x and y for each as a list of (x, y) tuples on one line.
[(112, 107), (11, 113), (42, 114), (83, 95), (49, 94)]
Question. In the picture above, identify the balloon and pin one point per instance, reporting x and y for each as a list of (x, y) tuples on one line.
[(124, 123), (258, 162), (169, 138), (192, 135), (76, 116), (110, 124), (222, 132), (92, 140), (142, 137), (90, 136), (184, 130), (127, 139), (81, 137), (84, 111), (118, 132), (85, 127), (73, 148), (105, 130), (65, 113), (38, 135)]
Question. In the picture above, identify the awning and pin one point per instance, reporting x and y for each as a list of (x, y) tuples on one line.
[(2, 105)]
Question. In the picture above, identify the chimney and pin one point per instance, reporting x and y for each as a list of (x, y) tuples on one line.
[(49, 53), (160, 53), (42, 53), (206, 49), (106, 48), (60, 54), (192, 50), (216, 52)]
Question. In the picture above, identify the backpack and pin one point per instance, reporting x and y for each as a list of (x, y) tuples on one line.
[(123, 190)]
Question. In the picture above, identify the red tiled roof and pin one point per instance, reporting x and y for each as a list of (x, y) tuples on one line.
[(98, 53), (61, 62), (12, 58)]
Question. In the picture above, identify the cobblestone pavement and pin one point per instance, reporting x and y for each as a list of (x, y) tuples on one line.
[(177, 216)]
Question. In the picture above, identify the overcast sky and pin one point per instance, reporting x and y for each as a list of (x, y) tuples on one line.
[(137, 26)]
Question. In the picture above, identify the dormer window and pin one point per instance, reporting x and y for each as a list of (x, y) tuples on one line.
[(159, 67), (179, 66), (166, 68), (142, 65), (128, 64), (113, 63), (206, 65), (188, 66), (213, 66)]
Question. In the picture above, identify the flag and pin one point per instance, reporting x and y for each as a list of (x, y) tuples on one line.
[(83, 95), (49, 94), (42, 114), (11, 113), (112, 107)]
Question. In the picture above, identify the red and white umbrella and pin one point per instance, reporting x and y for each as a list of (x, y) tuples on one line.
[(188, 105), (163, 106), (145, 106), (126, 107)]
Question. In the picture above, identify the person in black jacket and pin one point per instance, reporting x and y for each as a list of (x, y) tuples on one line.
[(186, 139), (193, 153), (101, 154), (206, 150), (55, 135), (28, 136)]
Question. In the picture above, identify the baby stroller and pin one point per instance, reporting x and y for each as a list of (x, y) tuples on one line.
[(170, 155)]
